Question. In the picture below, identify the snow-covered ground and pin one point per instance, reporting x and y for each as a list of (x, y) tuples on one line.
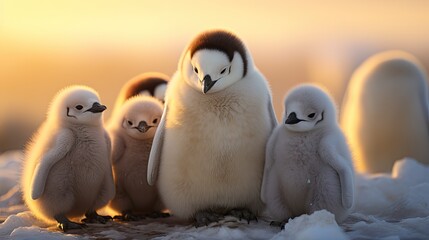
[(388, 207)]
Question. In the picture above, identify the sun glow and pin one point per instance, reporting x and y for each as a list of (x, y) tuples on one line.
[(47, 45)]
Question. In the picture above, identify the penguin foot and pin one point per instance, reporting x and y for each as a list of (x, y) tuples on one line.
[(204, 218), (279, 224), (157, 215), (129, 217), (65, 224), (243, 213), (93, 217)]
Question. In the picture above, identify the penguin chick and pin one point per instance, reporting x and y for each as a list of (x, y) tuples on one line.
[(151, 84), (67, 171), (308, 164), (209, 148), (385, 112), (132, 132)]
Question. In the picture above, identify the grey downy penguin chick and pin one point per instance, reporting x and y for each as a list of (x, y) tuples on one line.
[(308, 164), (209, 149), (132, 132), (385, 112), (67, 171)]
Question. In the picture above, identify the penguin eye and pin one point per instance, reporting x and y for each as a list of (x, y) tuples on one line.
[(79, 107), (155, 121), (195, 69), (129, 122), (311, 115)]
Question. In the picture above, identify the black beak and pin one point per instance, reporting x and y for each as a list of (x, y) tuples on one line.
[(292, 119), (96, 108), (208, 83), (143, 127)]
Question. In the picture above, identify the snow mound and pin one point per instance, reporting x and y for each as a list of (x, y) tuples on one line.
[(23, 219), (319, 225), (403, 194), (411, 228)]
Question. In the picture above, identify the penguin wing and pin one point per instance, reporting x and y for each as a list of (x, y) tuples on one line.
[(339, 163), (273, 116), (269, 162), (156, 150), (60, 147)]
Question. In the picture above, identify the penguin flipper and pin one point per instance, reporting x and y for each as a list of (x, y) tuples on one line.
[(339, 164), (269, 161), (156, 150), (61, 146)]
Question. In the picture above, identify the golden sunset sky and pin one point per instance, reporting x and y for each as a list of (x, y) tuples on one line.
[(47, 45)]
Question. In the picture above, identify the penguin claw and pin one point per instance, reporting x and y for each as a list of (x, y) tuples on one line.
[(204, 218), (243, 213), (93, 217), (279, 224), (65, 224), (128, 217)]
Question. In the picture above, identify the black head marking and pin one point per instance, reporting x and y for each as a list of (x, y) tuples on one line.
[(146, 84), (320, 119), (222, 41)]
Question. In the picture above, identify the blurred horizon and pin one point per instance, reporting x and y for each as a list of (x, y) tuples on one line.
[(48, 45)]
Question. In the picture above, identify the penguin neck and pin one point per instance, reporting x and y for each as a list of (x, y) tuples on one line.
[(134, 142), (90, 129)]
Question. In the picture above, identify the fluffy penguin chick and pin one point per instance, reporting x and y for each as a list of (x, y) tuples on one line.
[(308, 164), (132, 133), (151, 84), (385, 112), (67, 170), (210, 145)]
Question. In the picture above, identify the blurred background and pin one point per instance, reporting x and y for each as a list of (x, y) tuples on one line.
[(48, 45)]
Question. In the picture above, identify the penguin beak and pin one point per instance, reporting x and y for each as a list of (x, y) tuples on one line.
[(143, 127), (292, 119), (96, 108), (207, 83)]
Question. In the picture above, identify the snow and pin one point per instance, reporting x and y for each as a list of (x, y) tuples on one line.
[(404, 193), (319, 225), (34, 233), (10, 163), (388, 206)]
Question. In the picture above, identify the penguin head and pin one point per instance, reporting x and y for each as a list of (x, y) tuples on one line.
[(77, 105), (151, 84), (214, 61), (308, 107), (141, 116)]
